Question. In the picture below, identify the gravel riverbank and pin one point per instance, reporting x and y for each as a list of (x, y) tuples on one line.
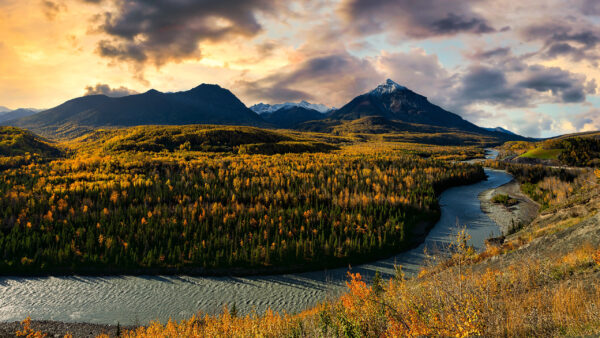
[(522, 212), (59, 329)]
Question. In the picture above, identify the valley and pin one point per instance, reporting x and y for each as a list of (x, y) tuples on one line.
[(292, 210), (302, 168)]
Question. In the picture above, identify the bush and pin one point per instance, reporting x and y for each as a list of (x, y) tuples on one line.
[(504, 199)]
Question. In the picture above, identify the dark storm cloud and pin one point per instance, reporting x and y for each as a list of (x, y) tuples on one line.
[(508, 81), (577, 41), (568, 87), (339, 77), (490, 85), (416, 19), (104, 89), (171, 30)]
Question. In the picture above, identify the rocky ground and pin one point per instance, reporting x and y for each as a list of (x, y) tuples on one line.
[(556, 231), (59, 329), (508, 216)]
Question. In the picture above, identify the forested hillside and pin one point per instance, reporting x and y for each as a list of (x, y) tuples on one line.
[(578, 150), (162, 199)]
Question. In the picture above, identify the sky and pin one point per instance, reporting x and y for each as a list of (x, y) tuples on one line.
[(528, 66)]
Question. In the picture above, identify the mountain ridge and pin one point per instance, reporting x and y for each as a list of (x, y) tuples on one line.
[(390, 108), (18, 113), (204, 104)]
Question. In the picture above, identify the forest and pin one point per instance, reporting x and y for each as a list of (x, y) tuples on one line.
[(112, 209), (579, 150)]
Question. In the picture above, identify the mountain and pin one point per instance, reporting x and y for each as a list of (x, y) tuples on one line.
[(500, 130), (391, 108), (205, 104), (263, 108), (4, 109), (398, 103), (290, 117), (17, 113)]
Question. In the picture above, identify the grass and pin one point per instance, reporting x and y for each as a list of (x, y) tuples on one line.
[(543, 154)]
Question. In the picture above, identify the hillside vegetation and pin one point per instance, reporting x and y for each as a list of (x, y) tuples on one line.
[(201, 199), (396, 131), (200, 138), (540, 281), (577, 150), (16, 142)]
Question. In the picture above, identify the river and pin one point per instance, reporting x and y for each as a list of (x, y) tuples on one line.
[(136, 300)]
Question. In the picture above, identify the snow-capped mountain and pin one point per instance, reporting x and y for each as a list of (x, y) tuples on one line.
[(263, 108), (386, 88), (394, 102), (500, 130)]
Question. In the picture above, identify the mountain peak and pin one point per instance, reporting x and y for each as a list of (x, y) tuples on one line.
[(386, 88), (153, 91), (263, 108)]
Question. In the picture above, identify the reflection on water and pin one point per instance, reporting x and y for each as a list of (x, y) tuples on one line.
[(138, 300)]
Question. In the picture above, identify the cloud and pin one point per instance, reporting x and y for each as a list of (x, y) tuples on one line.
[(587, 121), (533, 124), (481, 54), (338, 77), (500, 78), (413, 19), (52, 9), (577, 40), (590, 7), (162, 31), (490, 85), (104, 89), (564, 85)]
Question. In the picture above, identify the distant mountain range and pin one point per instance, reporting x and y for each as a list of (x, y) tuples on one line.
[(291, 117), (4, 109), (263, 108), (389, 108), (7, 115), (205, 104)]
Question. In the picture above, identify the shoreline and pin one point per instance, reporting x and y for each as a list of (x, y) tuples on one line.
[(419, 233), (83, 329), (506, 217), (59, 329)]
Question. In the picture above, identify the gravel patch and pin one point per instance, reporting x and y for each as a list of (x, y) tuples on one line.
[(506, 217)]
